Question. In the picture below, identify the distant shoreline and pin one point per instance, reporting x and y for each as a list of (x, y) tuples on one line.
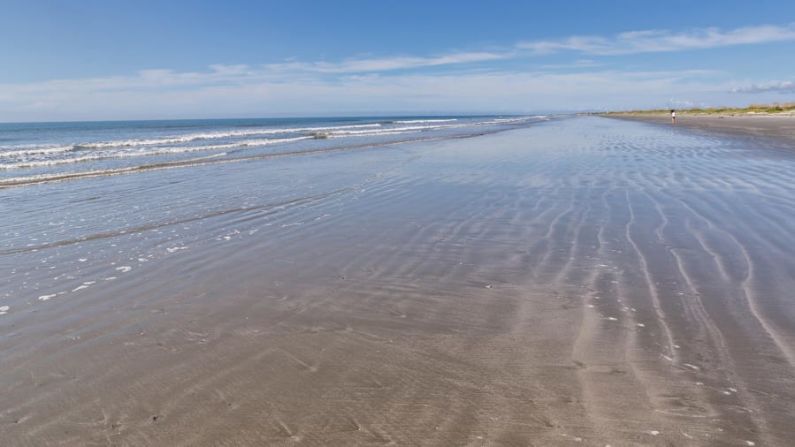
[(773, 125), (775, 109)]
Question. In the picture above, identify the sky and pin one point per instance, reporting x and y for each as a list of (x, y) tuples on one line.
[(108, 60)]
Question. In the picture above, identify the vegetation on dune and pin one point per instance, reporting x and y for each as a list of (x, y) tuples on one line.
[(775, 108)]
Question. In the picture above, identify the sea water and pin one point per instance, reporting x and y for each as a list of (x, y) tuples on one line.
[(37, 152)]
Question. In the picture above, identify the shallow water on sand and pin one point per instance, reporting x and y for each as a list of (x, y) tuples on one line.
[(581, 281)]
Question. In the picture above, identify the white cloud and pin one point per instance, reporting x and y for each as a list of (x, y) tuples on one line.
[(772, 86), (362, 65), (470, 82), (243, 91), (653, 41)]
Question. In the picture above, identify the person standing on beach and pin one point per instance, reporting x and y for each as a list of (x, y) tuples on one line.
[(673, 116)]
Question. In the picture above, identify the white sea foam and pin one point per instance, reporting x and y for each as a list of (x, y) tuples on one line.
[(104, 155), (48, 156), (505, 120), (216, 135), (22, 151), (386, 131), (26, 151), (425, 121), (338, 132), (83, 286), (514, 120)]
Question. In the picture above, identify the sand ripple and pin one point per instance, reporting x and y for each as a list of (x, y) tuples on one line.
[(580, 282)]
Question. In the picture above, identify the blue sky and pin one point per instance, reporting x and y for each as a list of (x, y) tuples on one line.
[(73, 60)]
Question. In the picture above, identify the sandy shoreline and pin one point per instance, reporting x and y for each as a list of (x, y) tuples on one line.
[(775, 126), (579, 282)]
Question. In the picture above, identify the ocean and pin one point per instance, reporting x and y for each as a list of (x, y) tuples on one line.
[(39, 152)]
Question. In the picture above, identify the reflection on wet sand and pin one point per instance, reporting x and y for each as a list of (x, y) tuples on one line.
[(583, 281)]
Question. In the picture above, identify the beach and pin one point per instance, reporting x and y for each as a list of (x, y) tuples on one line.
[(781, 126), (562, 281)]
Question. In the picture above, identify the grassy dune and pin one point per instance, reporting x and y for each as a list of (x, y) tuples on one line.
[(777, 108)]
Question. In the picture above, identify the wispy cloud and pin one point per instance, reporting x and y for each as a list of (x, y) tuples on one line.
[(764, 87), (654, 41), (633, 42), (246, 91), (362, 65), (471, 81)]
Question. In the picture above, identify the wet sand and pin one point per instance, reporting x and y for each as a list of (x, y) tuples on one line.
[(768, 126), (583, 281)]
